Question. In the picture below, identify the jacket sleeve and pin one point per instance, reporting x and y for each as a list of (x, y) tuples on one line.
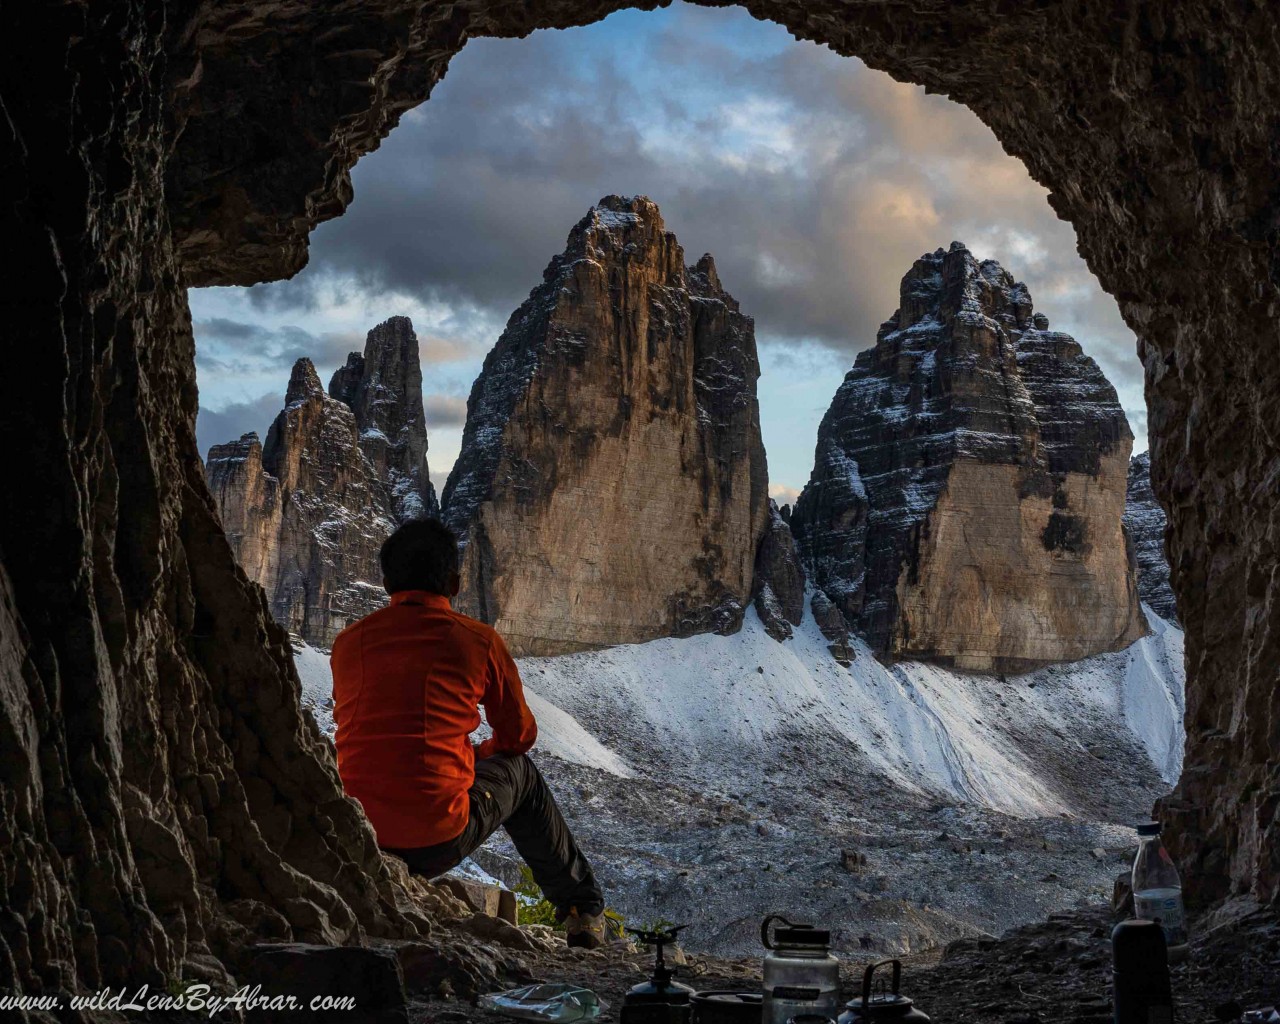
[(514, 728)]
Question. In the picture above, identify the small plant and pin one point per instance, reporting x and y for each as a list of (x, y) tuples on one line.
[(535, 908)]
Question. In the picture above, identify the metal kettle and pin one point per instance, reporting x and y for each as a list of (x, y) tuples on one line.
[(886, 1004)]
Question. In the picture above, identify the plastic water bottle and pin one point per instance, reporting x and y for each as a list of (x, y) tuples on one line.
[(1157, 890)]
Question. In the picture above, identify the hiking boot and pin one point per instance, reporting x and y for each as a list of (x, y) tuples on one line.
[(585, 931)]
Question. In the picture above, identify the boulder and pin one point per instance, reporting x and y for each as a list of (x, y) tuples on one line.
[(371, 977)]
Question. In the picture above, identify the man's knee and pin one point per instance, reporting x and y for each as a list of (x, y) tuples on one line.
[(517, 770)]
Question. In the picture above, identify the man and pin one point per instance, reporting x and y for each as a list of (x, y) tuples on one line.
[(407, 680)]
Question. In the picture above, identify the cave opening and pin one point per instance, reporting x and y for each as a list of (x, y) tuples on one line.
[(815, 183)]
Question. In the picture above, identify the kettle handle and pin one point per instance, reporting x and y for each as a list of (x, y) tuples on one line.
[(866, 980), (764, 929)]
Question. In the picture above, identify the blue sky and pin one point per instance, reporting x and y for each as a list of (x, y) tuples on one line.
[(814, 181)]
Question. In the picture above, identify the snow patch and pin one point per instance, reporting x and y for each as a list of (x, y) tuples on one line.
[(616, 218), (559, 733), (720, 706), (719, 709), (1154, 697), (563, 736), (317, 682)]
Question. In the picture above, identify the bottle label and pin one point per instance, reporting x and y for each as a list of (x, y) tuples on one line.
[(794, 994), (1164, 906)]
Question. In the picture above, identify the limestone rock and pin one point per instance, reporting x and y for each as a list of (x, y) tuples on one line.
[(834, 627), (460, 969), (1144, 521), (482, 898), (383, 387), (966, 501), (779, 579), (307, 511), (612, 484)]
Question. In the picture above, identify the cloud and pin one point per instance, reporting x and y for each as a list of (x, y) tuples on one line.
[(444, 411), (235, 419), (219, 328), (231, 347), (815, 181), (436, 349)]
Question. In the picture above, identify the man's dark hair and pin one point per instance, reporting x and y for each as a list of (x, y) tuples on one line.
[(421, 555)]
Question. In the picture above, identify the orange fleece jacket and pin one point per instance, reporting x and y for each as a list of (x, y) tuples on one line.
[(407, 680)]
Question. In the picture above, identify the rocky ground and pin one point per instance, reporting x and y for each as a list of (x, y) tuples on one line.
[(1055, 970), (890, 872), (901, 808)]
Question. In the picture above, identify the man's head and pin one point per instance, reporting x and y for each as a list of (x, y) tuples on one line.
[(421, 555)]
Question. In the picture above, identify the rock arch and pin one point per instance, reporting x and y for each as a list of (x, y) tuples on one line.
[(162, 796)]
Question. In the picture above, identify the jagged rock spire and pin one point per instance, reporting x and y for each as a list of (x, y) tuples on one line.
[(304, 382), (383, 387)]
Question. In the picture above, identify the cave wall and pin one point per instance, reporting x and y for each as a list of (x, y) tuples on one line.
[(163, 795), (164, 799)]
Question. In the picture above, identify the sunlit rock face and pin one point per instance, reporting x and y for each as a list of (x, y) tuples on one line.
[(611, 486), (966, 501), (1144, 521), (307, 512)]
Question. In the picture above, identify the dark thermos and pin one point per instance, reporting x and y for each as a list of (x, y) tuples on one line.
[(1141, 991)]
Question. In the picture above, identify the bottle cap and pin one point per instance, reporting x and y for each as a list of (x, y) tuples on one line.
[(1149, 828)]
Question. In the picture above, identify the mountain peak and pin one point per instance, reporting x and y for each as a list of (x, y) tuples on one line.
[(622, 217), (706, 268), (304, 382), (336, 473), (967, 401), (622, 383)]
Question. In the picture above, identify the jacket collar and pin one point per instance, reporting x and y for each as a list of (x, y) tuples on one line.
[(426, 598)]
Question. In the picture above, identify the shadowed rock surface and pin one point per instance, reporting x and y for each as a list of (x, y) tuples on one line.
[(1144, 521), (966, 501), (307, 512), (612, 486), (163, 772), (383, 387), (779, 578)]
